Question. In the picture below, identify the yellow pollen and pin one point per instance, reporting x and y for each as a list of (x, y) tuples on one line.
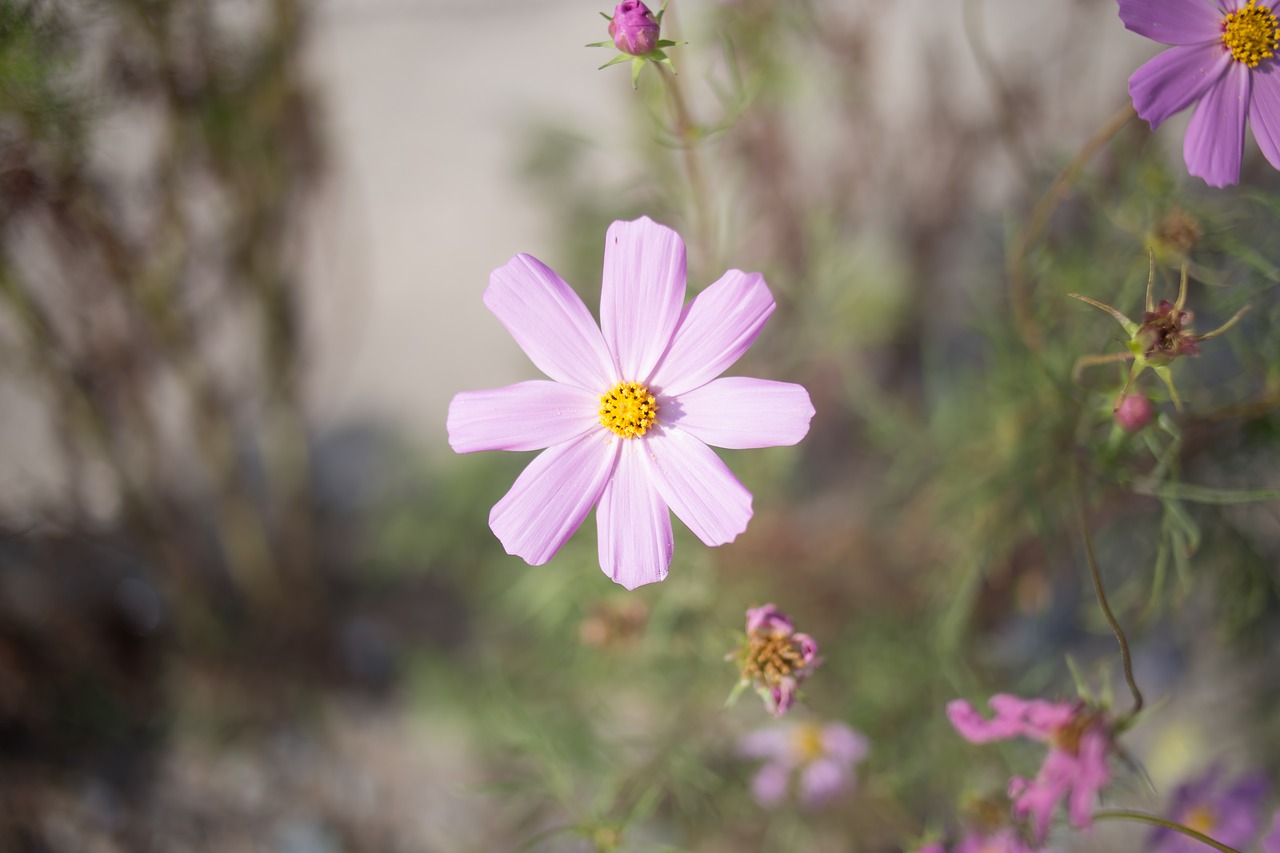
[(808, 743), (1201, 819), (628, 409), (1252, 34), (772, 659)]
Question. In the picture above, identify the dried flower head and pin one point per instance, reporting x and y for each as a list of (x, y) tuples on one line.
[(775, 658), (1163, 335)]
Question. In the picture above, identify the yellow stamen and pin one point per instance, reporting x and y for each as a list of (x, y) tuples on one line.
[(628, 409), (1201, 819), (1252, 34), (808, 743)]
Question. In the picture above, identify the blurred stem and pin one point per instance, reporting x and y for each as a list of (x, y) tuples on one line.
[(687, 134), (1143, 817), (1126, 658), (1019, 285)]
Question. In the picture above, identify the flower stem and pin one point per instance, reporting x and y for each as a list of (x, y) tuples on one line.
[(1126, 659), (1019, 286), (1143, 817), (686, 132)]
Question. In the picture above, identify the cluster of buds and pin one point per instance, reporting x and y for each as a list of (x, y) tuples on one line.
[(636, 33), (775, 658), (1163, 335)]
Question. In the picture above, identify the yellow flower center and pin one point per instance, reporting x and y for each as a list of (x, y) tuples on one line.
[(1201, 819), (771, 659), (1252, 34), (628, 409), (808, 743)]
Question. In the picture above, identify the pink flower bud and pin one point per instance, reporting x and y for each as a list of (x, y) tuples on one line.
[(1134, 412), (634, 28)]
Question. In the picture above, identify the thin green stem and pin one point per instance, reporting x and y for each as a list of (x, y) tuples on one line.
[(1095, 573), (1143, 817), (686, 132), (1038, 220)]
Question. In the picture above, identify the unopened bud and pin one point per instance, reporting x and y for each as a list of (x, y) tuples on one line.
[(634, 28), (1134, 412)]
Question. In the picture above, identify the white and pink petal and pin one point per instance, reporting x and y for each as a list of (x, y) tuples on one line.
[(550, 323), (716, 328), (697, 485), (526, 416), (738, 412), (552, 496), (633, 523), (641, 294)]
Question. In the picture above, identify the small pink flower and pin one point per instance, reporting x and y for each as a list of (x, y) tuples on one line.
[(633, 404), (823, 756), (634, 28), (1134, 412), (1075, 769), (775, 658)]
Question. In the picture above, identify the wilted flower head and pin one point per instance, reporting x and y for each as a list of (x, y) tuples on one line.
[(634, 28), (1163, 335), (1075, 769), (634, 403), (1224, 58), (1134, 412), (775, 658), (822, 758), (1231, 814)]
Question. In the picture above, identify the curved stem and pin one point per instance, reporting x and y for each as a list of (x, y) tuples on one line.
[(1143, 817), (1126, 658), (1019, 286)]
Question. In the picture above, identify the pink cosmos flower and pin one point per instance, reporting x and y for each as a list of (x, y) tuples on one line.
[(625, 422), (1223, 56), (823, 756), (1076, 767)]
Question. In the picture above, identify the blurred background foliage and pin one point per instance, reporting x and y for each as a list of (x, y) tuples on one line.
[(232, 633)]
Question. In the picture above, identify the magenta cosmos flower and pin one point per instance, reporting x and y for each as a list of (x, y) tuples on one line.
[(1223, 56), (625, 421), (1076, 767), (820, 757)]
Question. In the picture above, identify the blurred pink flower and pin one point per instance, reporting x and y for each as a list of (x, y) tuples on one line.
[(1223, 57), (823, 756), (1134, 412), (775, 658), (632, 405), (1079, 741)]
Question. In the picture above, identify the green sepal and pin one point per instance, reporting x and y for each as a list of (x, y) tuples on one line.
[(636, 65), (735, 693), (601, 44), (621, 57)]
